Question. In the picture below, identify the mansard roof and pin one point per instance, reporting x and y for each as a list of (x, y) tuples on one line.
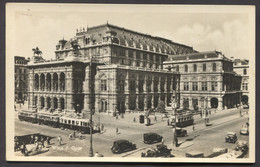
[(130, 38), (198, 56)]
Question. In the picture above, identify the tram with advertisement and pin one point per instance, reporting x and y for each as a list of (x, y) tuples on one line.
[(48, 119), (29, 116), (81, 125)]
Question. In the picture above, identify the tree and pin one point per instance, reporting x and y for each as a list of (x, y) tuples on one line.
[(161, 107)]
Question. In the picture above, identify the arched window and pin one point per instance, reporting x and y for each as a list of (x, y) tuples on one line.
[(186, 68), (195, 67), (204, 67), (214, 67)]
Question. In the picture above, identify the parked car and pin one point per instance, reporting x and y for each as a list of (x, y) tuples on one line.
[(231, 137), (120, 146), (150, 138), (159, 151), (244, 130), (195, 154), (181, 132), (242, 146)]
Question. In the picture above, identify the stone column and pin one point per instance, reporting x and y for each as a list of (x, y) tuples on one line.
[(46, 103), (220, 103), (59, 104), (145, 103), (127, 103), (52, 82), (39, 103), (46, 85), (159, 84), (59, 86), (137, 86), (152, 84), (152, 101), (127, 83), (136, 103), (134, 59)]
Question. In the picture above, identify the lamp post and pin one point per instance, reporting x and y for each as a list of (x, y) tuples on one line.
[(90, 106)]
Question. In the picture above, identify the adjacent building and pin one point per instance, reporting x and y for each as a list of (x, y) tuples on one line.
[(207, 79), (21, 78), (104, 69), (241, 66)]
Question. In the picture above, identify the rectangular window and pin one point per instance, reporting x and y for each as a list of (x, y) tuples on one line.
[(214, 86), (244, 86), (194, 86), (204, 86), (204, 67), (103, 85), (186, 86)]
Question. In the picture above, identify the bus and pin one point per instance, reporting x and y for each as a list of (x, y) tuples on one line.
[(81, 125), (26, 115)]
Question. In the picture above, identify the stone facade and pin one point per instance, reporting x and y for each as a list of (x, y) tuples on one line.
[(21, 78), (242, 68), (110, 68), (207, 79)]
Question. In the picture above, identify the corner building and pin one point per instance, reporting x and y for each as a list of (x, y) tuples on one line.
[(113, 69), (207, 79)]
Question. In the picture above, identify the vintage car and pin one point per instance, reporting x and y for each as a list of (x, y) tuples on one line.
[(120, 146), (195, 154), (242, 146), (159, 151), (231, 137), (244, 130), (181, 132), (150, 138)]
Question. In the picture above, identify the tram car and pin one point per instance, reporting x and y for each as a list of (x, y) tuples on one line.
[(182, 120), (81, 125), (29, 116), (47, 119)]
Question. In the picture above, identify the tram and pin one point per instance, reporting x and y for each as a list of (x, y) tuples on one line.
[(182, 120), (82, 125), (28, 116), (47, 119)]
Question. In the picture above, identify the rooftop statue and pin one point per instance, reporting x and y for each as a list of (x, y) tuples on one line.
[(37, 51), (75, 45)]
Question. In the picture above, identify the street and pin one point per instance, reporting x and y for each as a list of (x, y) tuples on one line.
[(203, 139)]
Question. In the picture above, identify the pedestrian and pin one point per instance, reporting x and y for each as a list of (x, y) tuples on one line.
[(134, 120), (116, 130), (42, 142), (102, 127), (14, 107), (20, 105), (59, 140), (193, 127), (48, 140), (168, 122), (200, 114), (80, 136), (99, 129), (116, 117), (70, 136), (176, 142), (74, 134), (32, 139), (162, 141), (155, 118), (209, 112)]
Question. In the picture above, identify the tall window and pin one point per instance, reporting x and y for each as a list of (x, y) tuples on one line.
[(245, 72), (204, 86), (140, 86), (204, 67), (186, 85), (194, 86), (177, 68), (214, 86), (103, 85), (214, 67), (121, 85), (132, 85), (186, 68), (195, 67), (244, 86)]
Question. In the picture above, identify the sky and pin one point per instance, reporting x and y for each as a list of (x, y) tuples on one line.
[(205, 28)]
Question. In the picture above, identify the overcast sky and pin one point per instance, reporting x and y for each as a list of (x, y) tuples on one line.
[(204, 28)]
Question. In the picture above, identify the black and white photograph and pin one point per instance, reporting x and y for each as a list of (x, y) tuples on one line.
[(130, 83)]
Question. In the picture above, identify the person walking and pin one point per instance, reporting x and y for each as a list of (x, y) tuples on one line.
[(80, 136), (155, 118), (162, 141), (42, 142), (59, 140), (168, 122), (134, 120), (102, 127), (193, 127), (70, 136), (48, 140), (74, 134), (116, 130)]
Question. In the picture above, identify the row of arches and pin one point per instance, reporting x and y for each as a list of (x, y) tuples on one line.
[(49, 103), (50, 82)]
